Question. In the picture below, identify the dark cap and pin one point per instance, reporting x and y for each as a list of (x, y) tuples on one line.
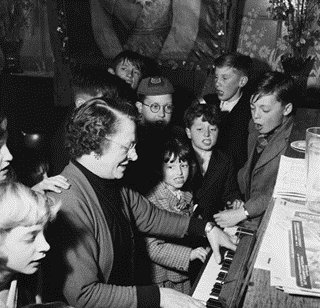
[(155, 86)]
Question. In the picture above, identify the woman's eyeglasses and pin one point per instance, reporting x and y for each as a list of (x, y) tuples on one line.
[(128, 149)]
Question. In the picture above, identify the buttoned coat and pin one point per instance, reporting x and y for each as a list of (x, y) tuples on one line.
[(264, 174), (218, 185), (234, 130)]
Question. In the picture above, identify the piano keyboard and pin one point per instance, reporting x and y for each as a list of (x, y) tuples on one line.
[(218, 285)]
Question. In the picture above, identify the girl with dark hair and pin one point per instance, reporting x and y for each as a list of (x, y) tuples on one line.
[(171, 259)]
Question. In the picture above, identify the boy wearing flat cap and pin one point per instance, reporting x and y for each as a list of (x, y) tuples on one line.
[(155, 101)]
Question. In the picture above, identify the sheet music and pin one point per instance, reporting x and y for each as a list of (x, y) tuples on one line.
[(291, 179), (290, 249)]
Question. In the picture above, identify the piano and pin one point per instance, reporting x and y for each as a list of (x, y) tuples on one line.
[(221, 285)]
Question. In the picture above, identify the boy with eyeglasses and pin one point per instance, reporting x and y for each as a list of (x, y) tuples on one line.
[(155, 103)]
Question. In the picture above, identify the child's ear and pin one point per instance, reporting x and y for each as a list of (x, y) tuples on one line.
[(139, 106), (287, 109), (111, 71), (188, 133), (243, 81)]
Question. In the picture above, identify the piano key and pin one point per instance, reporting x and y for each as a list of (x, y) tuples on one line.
[(213, 296), (225, 268), (212, 303), (227, 262), (215, 292), (230, 254), (217, 286), (221, 277), (228, 257)]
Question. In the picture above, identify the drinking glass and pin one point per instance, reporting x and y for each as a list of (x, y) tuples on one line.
[(312, 157)]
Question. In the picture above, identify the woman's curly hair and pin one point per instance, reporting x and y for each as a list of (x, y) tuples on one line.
[(92, 122)]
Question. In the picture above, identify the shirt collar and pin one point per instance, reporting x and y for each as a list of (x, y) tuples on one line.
[(229, 105)]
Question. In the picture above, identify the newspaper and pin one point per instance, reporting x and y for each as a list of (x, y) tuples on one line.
[(290, 249), (291, 179)]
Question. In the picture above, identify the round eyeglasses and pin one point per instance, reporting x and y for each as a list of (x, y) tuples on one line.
[(156, 107)]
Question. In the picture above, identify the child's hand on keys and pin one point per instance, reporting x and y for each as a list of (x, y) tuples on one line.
[(199, 253)]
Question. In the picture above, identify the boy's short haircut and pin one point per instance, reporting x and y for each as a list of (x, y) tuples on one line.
[(135, 58), (235, 60), (94, 81), (155, 85), (210, 113), (278, 83)]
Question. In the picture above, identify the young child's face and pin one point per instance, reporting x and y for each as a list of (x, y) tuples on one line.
[(161, 116), (175, 173), (228, 82), (129, 73), (267, 113), (203, 135), (24, 248)]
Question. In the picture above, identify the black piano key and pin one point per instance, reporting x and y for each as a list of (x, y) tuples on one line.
[(219, 280), (213, 303), (215, 291), (217, 286), (230, 254), (227, 262), (221, 277), (225, 267), (214, 294)]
